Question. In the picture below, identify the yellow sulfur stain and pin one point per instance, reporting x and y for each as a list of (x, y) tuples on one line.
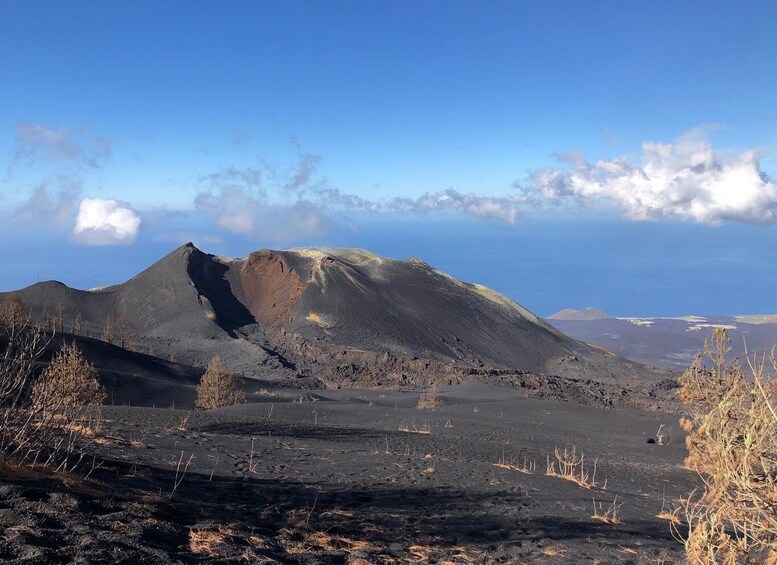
[(315, 318)]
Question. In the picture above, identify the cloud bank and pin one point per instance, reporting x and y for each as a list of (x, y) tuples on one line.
[(104, 221), (500, 208), (685, 180), (237, 201), (264, 204)]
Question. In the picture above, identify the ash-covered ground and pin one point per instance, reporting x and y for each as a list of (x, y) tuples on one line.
[(345, 476)]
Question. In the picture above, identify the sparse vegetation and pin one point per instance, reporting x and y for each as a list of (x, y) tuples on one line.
[(413, 429), (732, 444), (218, 387), (69, 381), (13, 312), (527, 468), (607, 515), (42, 421), (210, 543), (125, 333), (570, 465), (21, 345), (180, 473), (77, 328), (669, 515), (429, 399), (108, 335)]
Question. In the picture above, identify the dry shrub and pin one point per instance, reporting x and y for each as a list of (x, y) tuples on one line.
[(732, 444), (69, 381), (13, 311), (429, 399), (38, 423), (218, 387), (21, 345)]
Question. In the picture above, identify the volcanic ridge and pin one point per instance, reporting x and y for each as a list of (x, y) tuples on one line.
[(326, 318)]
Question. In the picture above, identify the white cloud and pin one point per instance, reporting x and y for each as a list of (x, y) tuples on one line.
[(501, 208), (104, 221), (686, 180)]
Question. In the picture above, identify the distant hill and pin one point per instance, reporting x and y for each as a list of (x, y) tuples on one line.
[(671, 342), (758, 319), (589, 313)]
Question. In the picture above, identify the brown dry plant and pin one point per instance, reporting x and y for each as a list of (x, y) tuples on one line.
[(69, 381), (218, 387), (34, 430), (126, 333), (21, 345), (13, 311), (570, 464), (607, 515), (430, 399), (732, 444), (210, 543), (108, 334)]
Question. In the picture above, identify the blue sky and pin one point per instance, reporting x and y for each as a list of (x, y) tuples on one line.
[(614, 154)]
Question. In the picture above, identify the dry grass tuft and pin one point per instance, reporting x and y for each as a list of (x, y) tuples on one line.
[(421, 553), (527, 468), (553, 552), (210, 542), (670, 517), (570, 465), (338, 512), (325, 541), (666, 514), (607, 515), (412, 429)]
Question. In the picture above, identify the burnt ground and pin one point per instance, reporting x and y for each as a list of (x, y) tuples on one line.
[(330, 477)]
